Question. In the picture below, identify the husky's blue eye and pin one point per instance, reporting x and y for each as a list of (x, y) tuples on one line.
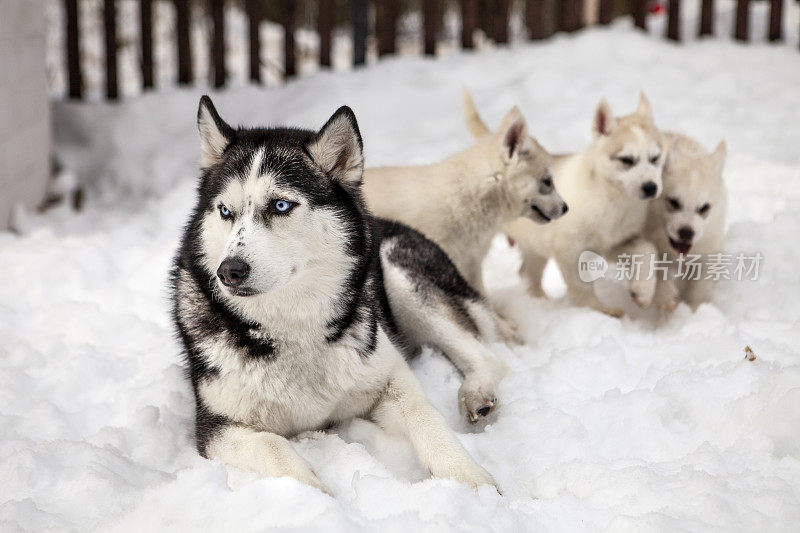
[(224, 211), (282, 206)]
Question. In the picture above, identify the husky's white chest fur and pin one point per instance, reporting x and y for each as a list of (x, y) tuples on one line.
[(302, 387)]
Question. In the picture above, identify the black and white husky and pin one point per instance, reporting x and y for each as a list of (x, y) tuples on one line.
[(296, 307)]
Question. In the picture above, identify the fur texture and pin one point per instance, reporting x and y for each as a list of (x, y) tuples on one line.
[(462, 202), (607, 186), (689, 218), (293, 304)]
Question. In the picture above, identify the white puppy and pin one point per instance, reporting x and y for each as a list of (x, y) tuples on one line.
[(688, 220), (607, 187), (462, 202)]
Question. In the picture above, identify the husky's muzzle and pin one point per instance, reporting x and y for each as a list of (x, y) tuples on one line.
[(232, 273)]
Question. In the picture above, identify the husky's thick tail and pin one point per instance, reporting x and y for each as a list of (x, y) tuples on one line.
[(477, 127)]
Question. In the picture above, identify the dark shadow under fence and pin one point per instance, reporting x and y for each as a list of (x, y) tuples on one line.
[(542, 18)]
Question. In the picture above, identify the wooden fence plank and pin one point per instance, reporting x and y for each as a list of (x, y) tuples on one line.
[(640, 13), (146, 36), (536, 16), (325, 29), (469, 22), (606, 12), (707, 18), (432, 16), (218, 41), (742, 32), (577, 10), (776, 20), (502, 10), (183, 42), (73, 49), (289, 24), (485, 17), (254, 38), (674, 20), (358, 10), (569, 14), (386, 26), (110, 25)]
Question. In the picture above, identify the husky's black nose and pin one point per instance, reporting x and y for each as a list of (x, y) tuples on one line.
[(233, 271), (649, 189), (564, 209), (686, 233)]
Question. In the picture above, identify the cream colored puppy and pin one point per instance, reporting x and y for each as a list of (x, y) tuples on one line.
[(462, 202), (689, 218), (607, 187)]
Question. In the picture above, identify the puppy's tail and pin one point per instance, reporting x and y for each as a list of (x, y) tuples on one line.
[(477, 127)]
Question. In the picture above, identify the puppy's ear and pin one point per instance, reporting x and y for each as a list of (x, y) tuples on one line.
[(338, 149), (718, 157), (215, 134), (513, 134), (644, 109), (604, 121)]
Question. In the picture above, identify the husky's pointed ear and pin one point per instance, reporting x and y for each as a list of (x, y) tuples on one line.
[(215, 134), (604, 121), (338, 149), (718, 157), (513, 134), (644, 109)]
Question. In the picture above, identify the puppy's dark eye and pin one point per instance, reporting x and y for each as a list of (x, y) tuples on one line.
[(673, 204), (224, 212), (704, 209), (627, 161), (654, 159), (547, 181), (281, 207)]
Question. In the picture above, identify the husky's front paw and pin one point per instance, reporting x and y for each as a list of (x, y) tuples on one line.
[(465, 470), (475, 477), (642, 292), (476, 401), (310, 478)]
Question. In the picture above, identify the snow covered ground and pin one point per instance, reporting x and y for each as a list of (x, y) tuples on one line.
[(625, 425)]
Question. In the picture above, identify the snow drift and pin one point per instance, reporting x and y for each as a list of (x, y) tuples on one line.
[(605, 424)]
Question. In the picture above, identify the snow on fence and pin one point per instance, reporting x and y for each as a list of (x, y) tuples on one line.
[(542, 17)]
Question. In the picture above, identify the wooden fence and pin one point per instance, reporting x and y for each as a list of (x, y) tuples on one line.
[(542, 18)]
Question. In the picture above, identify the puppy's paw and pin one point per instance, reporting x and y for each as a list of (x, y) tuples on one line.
[(669, 305), (508, 331), (667, 297), (642, 292), (476, 401), (611, 311)]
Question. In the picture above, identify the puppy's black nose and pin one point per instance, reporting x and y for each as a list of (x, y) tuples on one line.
[(233, 271), (564, 209), (649, 189), (686, 233)]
